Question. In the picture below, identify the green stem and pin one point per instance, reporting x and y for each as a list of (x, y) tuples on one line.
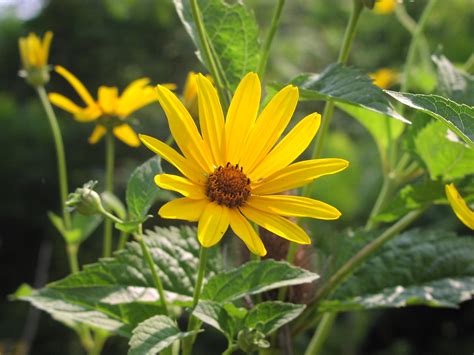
[(109, 187), (122, 240), (154, 273), (262, 65), (99, 342), (208, 54), (194, 323), (384, 195), (321, 334), (72, 250), (416, 37), (61, 157), (230, 349)]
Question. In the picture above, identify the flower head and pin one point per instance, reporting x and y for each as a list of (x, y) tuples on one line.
[(34, 54), (110, 110), (459, 206), (385, 7), (384, 78), (234, 168)]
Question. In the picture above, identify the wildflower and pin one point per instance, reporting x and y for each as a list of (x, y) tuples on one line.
[(234, 167), (384, 78), (385, 7), (110, 111), (34, 55), (459, 206)]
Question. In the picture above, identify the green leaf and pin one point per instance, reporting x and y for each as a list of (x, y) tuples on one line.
[(444, 155), (457, 117), (233, 35), (419, 267), (23, 291), (118, 293), (346, 85), (155, 334), (81, 229), (252, 278), (412, 197), (265, 317), (142, 191), (454, 83)]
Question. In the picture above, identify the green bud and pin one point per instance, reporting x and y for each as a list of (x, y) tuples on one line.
[(85, 200), (36, 76), (251, 340)]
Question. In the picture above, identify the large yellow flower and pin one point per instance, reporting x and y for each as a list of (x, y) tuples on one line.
[(34, 52), (110, 111), (459, 206), (233, 168)]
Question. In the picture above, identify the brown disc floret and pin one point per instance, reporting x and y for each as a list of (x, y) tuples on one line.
[(228, 186)]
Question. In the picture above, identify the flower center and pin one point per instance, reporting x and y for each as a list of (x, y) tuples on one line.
[(228, 186)]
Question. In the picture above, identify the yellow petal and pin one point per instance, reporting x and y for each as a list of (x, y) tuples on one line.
[(184, 186), (269, 126), (45, 47), (213, 223), (22, 44), (241, 116), (127, 135), (97, 134), (385, 7), (459, 206), (174, 158), (289, 148), (76, 84), (183, 208), (190, 89), (108, 98), (64, 103), (244, 230), (135, 96), (296, 206), (88, 114), (34, 50), (298, 174), (277, 225), (211, 118), (184, 130)]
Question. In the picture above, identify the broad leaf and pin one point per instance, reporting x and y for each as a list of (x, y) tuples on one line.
[(233, 35), (118, 293), (457, 117), (454, 83), (443, 153), (142, 191), (81, 229), (252, 278), (419, 267), (226, 318), (347, 86), (412, 197), (155, 334)]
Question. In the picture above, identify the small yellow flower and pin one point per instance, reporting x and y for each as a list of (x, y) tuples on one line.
[(234, 167), (34, 55), (459, 206), (385, 78), (110, 111), (385, 7)]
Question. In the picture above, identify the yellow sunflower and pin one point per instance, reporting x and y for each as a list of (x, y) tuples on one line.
[(459, 206), (234, 168), (110, 111)]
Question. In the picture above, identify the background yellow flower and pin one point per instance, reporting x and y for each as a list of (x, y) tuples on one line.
[(385, 7), (34, 52), (459, 206)]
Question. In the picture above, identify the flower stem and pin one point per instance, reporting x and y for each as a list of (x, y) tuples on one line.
[(208, 54), (262, 65), (321, 334), (61, 157), (72, 250), (194, 323), (156, 278), (384, 194), (122, 240), (416, 38), (109, 187)]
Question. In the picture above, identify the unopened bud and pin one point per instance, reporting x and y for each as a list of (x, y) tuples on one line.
[(85, 200), (250, 340)]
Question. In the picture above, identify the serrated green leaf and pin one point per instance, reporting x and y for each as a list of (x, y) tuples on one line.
[(444, 155), (142, 191), (233, 35), (457, 117), (118, 293), (419, 267), (252, 278), (454, 83), (410, 198), (219, 317), (345, 85), (155, 334)]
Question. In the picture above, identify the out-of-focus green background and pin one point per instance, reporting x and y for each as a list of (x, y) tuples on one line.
[(111, 42)]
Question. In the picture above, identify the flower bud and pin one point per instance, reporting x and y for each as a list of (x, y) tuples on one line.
[(85, 200), (34, 54), (251, 340)]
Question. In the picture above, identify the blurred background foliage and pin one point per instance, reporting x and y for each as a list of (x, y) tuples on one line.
[(111, 42)]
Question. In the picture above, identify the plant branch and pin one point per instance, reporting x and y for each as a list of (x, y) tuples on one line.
[(321, 334)]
